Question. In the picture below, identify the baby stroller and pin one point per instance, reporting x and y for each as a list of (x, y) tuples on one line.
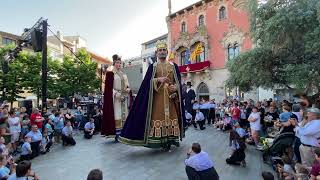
[(278, 148)]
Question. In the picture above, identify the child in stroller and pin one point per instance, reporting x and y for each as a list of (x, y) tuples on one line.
[(281, 145)]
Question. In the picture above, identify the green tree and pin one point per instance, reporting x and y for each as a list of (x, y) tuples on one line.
[(77, 76), (64, 78), (13, 78), (286, 34)]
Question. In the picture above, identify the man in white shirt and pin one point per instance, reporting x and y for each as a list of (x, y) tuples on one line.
[(200, 119), (309, 135), (199, 166)]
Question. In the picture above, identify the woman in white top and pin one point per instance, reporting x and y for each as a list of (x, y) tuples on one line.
[(15, 129), (254, 120)]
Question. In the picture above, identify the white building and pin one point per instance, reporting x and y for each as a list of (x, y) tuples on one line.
[(148, 52), (57, 49), (133, 67)]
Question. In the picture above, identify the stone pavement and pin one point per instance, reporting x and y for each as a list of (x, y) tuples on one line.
[(123, 162)]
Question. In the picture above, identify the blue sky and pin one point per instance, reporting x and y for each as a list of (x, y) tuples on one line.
[(109, 26)]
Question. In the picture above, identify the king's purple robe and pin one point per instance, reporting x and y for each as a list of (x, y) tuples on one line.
[(137, 126)]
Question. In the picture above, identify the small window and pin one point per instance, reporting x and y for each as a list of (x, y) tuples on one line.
[(7, 41), (230, 52), (183, 27), (201, 20), (233, 51), (183, 57), (236, 50), (222, 13)]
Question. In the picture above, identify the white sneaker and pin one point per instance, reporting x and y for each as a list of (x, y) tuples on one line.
[(259, 147), (219, 129)]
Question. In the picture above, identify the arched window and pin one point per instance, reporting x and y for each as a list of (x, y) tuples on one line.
[(183, 27), (183, 57), (203, 92), (201, 20), (222, 13)]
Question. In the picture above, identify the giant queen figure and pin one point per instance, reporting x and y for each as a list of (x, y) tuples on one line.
[(116, 100)]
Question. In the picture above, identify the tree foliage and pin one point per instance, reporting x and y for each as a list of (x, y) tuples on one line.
[(64, 77), (286, 35)]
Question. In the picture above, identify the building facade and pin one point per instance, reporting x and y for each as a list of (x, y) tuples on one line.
[(58, 48), (8, 39), (148, 50), (133, 67), (221, 29)]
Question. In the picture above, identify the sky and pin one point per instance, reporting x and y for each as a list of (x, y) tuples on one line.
[(109, 26)]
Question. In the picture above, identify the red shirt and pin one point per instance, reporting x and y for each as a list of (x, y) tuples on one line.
[(315, 169), (235, 113), (33, 118)]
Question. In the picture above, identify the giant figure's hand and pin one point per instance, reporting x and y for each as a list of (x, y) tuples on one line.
[(172, 88), (163, 80)]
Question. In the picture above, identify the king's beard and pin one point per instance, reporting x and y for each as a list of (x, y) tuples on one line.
[(162, 56)]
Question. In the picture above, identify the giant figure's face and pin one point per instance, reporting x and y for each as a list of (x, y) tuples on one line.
[(162, 53), (118, 65)]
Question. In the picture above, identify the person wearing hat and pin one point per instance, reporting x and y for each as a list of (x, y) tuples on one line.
[(189, 99), (309, 135), (116, 94), (157, 118)]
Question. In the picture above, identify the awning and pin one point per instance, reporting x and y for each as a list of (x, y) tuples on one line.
[(196, 67), (31, 97)]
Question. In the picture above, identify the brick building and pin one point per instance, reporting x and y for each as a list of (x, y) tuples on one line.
[(221, 28)]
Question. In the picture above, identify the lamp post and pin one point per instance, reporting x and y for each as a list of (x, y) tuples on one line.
[(44, 66)]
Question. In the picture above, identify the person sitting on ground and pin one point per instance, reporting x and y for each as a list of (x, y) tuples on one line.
[(36, 138), (95, 174), (199, 166), (89, 129), (26, 152), (67, 135), (240, 131), (200, 119), (3, 148), (267, 175), (226, 123), (46, 142), (237, 146), (4, 171), (315, 170), (188, 118), (23, 171)]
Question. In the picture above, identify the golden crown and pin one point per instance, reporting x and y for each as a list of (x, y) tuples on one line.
[(161, 44)]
